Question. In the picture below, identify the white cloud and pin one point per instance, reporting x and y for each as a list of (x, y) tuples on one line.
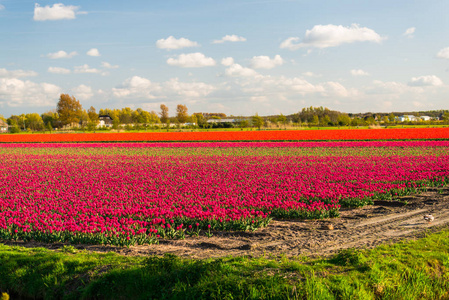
[(227, 61), (311, 74), (324, 36), (61, 54), (86, 69), (188, 89), (4, 73), (191, 60), (291, 89), (230, 38), (137, 86), (409, 32), (237, 70), (417, 104), (171, 43), (83, 92), (359, 72), (297, 85), (443, 53), (385, 88), (107, 65), (15, 93), (290, 43), (172, 89), (265, 62), (2, 7), (56, 12), (332, 88), (93, 52), (429, 80), (58, 70)]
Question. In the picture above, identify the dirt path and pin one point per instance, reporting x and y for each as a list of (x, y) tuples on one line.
[(356, 228)]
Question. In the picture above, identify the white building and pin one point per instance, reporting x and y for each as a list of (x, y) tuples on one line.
[(221, 121), (408, 118), (104, 121)]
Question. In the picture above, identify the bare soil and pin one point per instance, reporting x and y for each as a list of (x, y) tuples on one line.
[(367, 227)]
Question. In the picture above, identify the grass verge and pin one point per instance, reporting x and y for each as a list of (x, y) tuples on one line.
[(416, 269)]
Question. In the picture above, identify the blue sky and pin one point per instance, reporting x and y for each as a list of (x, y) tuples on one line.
[(237, 57)]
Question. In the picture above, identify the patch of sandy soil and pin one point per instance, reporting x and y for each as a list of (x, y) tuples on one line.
[(367, 227)]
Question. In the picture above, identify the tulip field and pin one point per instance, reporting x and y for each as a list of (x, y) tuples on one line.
[(138, 193), (214, 136)]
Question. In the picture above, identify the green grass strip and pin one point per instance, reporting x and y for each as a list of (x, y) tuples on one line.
[(409, 270)]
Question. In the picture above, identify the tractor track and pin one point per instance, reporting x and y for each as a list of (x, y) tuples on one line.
[(361, 228)]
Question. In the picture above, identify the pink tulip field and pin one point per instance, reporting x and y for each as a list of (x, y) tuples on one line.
[(139, 193)]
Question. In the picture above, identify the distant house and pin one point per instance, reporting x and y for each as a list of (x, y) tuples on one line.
[(105, 121), (426, 118), (221, 121), (408, 118), (4, 127)]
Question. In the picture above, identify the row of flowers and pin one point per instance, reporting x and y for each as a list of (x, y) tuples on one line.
[(128, 199), (348, 148), (280, 135)]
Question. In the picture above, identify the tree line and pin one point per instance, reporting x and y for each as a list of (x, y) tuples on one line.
[(69, 113)]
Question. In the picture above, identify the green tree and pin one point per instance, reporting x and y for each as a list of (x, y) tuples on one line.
[(446, 116), (324, 120), (91, 126), (343, 120), (257, 121), (193, 119), (13, 126), (244, 124), (84, 120), (126, 115), (69, 110), (116, 124), (283, 120), (22, 121), (153, 118), (370, 120), (93, 116), (51, 117), (49, 127), (34, 121), (392, 118), (200, 120), (355, 122), (274, 121)]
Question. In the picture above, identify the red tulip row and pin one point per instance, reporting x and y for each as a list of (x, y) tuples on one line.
[(272, 135), (129, 199)]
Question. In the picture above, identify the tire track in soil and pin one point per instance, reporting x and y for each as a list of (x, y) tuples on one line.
[(367, 227)]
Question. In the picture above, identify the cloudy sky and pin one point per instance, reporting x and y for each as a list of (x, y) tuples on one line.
[(233, 56)]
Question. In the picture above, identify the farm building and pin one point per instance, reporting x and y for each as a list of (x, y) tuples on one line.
[(407, 118), (221, 121), (3, 126), (105, 121)]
